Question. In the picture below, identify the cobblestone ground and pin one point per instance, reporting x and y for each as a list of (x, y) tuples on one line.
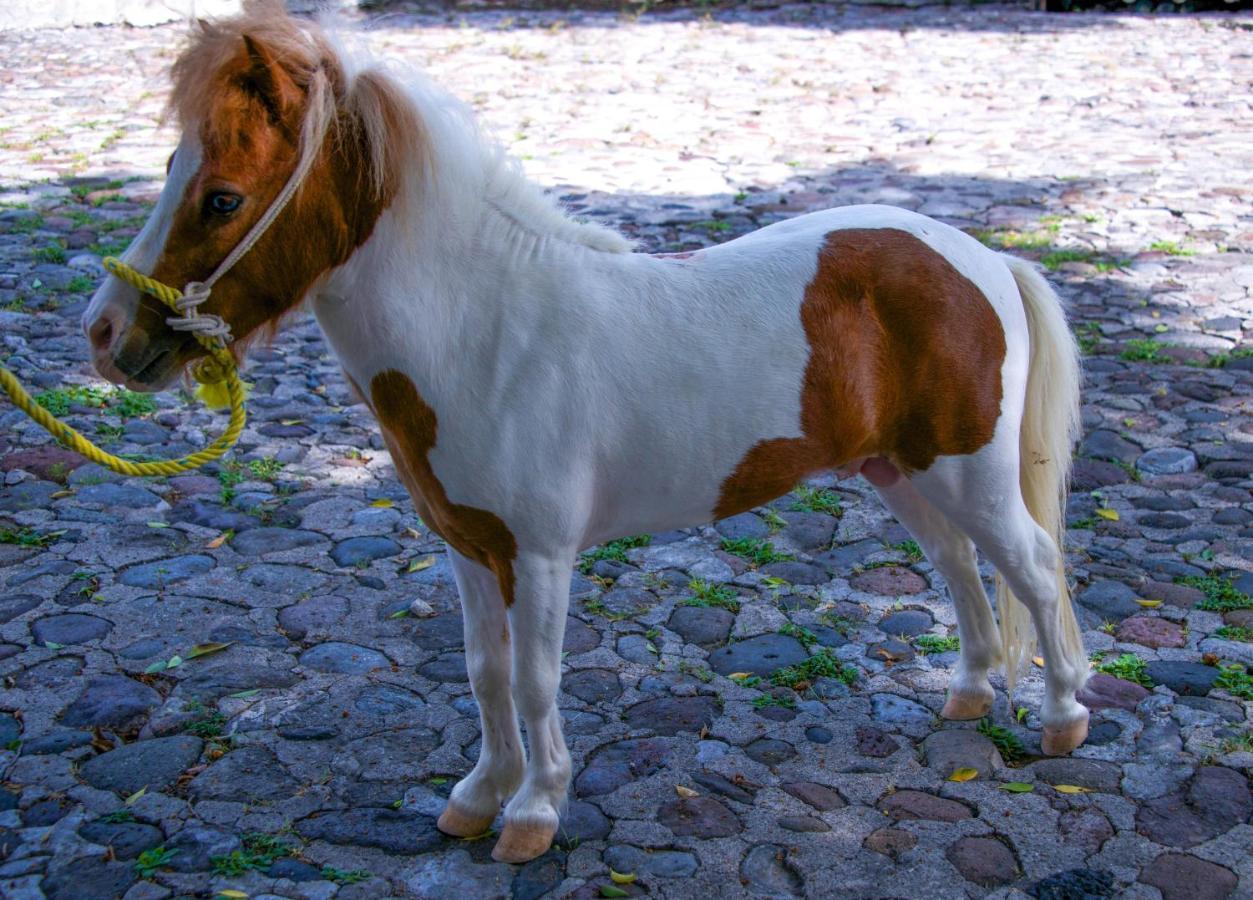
[(308, 756)]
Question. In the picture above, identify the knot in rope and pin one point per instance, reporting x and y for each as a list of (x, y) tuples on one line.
[(192, 321)]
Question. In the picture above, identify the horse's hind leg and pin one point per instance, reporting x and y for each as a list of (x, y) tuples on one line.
[(983, 499), (476, 799), (953, 555)]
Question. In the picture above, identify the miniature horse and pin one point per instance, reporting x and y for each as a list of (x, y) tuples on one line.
[(542, 389)]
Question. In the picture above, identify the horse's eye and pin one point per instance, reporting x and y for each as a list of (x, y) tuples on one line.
[(223, 204)]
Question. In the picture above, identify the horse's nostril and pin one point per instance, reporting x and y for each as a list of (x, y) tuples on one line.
[(101, 332)]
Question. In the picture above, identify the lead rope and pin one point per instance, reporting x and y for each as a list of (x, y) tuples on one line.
[(218, 373)]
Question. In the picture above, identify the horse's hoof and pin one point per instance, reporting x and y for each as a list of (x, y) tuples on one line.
[(455, 823), (522, 843), (1060, 741), (960, 707)]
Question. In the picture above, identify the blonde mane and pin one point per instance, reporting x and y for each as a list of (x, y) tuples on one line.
[(422, 143)]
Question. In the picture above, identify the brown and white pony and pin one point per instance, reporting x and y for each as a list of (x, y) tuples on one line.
[(543, 389)]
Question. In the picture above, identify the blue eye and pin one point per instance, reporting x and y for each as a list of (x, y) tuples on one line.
[(223, 204)]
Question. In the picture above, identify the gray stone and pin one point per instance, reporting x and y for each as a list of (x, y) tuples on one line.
[(260, 541), (766, 871), (703, 625), (875, 743), (744, 525), (1217, 800), (701, 817), (125, 495), (1093, 774), (770, 751), (344, 659), (985, 861), (1109, 445), (819, 796), (70, 628), (447, 668), (902, 805), (579, 637), (196, 845), (794, 572), (128, 839), (760, 655), (1181, 876), (891, 842), (592, 685), (581, 822), (13, 605), (889, 581), (1167, 461), (657, 863), (161, 574), (670, 715), (1183, 677), (359, 551), (154, 764), (86, 877), (614, 765), (1111, 600), (906, 623), (961, 748), (113, 701), (896, 710), (246, 775), (1105, 692), (399, 831)]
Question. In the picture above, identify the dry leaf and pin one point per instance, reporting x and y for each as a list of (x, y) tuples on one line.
[(232, 894), (1038, 661), (219, 540), (686, 792), (740, 676), (964, 775), (1071, 789), (414, 533), (206, 649), (382, 503), (621, 878), (1149, 604), (129, 801), (418, 565), (1107, 513)]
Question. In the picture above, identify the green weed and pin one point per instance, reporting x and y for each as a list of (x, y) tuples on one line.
[(1128, 667), (706, 594), (1142, 350), (1235, 680), (819, 500), (345, 876), (935, 643), (1007, 743), (614, 551), (1235, 633), (150, 861), (1221, 594), (756, 551), (50, 253), (821, 665), (801, 633), (1170, 248)]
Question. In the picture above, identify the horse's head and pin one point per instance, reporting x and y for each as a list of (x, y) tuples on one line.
[(257, 97)]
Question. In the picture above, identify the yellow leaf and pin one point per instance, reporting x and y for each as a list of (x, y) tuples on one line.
[(206, 649), (135, 796), (59, 495), (1071, 789), (418, 565), (218, 541), (1038, 661), (1107, 513), (620, 878), (685, 791), (964, 775), (383, 503), (1149, 604), (232, 894), (740, 676)]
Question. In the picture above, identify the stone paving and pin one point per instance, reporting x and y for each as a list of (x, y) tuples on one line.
[(251, 678)]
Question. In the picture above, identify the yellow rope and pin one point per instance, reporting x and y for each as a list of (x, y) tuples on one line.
[(216, 373)]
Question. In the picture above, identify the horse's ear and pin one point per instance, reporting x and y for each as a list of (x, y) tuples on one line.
[(269, 82)]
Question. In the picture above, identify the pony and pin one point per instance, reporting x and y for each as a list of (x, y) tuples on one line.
[(542, 388)]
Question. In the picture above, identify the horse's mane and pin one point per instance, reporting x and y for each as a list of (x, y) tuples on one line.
[(421, 140)]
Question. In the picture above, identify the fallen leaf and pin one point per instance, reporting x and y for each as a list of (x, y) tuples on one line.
[(399, 614), (206, 649), (158, 666), (1107, 513), (1038, 661), (414, 533), (219, 540), (418, 565), (608, 890), (232, 894), (61, 495), (1071, 789), (290, 422), (739, 676), (621, 878), (686, 792), (382, 503), (1149, 604), (244, 695), (175, 662), (964, 775), (130, 801), (53, 645), (1018, 787), (155, 524)]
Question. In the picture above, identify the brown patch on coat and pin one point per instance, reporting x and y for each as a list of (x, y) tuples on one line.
[(246, 85), (409, 427), (905, 363)]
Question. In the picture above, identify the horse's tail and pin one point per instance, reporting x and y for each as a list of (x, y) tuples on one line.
[(1050, 426)]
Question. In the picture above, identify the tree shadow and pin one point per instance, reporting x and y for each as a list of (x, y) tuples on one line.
[(818, 16)]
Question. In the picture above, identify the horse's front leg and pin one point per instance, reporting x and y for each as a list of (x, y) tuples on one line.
[(538, 616), (476, 799)]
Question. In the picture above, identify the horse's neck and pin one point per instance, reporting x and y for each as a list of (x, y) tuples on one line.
[(437, 299)]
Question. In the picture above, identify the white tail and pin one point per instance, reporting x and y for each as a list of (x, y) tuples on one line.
[(1050, 427)]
